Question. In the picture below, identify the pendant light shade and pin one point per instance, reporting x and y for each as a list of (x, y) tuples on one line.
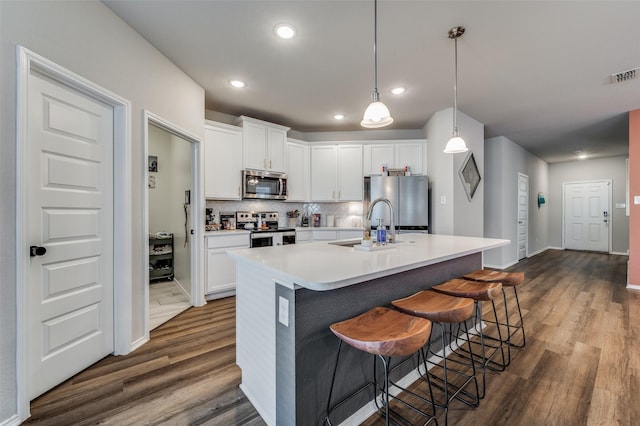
[(456, 144), (377, 114)]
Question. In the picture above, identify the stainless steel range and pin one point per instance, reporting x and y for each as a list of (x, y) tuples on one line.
[(264, 229)]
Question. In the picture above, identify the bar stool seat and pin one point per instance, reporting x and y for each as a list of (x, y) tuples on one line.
[(508, 279), (480, 292), (384, 333), (443, 309)]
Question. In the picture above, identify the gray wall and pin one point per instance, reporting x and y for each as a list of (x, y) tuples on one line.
[(614, 168), (458, 216), (89, 40), (504, 160)]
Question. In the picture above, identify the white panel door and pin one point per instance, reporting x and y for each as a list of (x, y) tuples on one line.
[(70, 302), (222, 163), (586, 216), (523, 215), (323, 173), (350, 182)]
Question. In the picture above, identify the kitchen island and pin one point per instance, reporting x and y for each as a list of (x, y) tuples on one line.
[(287, 296)]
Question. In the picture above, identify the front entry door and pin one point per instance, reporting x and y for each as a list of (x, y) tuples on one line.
[(70, 215), (586, 216)]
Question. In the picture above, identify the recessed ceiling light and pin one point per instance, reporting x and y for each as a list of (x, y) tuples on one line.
[(285, 31), (582, 156), (398, 90), (237, 83), (338, 116)]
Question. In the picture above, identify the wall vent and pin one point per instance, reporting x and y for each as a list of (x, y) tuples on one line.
[(625, 75)]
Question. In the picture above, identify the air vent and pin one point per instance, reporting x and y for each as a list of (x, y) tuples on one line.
[(625, 75)]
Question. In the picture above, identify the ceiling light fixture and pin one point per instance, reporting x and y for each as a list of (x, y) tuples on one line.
[(377, 114), (237, 83), (398, 90), (285, 31), (456, 144), (338, 116)]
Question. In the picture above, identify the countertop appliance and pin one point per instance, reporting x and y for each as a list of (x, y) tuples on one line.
[(264, 228), (264, 185), (409, 196)]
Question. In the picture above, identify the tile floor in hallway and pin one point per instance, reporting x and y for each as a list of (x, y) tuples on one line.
[(166, 300)]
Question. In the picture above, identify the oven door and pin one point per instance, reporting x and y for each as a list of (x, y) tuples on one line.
[(288, 238), (261, 239)]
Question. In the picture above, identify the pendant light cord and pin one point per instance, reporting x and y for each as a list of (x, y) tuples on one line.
[(455, 89), (375, 51)]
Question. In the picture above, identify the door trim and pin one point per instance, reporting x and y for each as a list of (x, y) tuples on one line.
[(526, 247), (609, 191), (197, 210), (28, 61)]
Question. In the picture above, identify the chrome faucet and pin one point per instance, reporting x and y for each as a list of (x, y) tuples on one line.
[(392, 226)]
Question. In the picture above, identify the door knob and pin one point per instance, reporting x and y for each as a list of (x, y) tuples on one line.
[(37, 251)]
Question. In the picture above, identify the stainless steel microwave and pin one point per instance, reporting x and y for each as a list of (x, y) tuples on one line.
[(264, 185)]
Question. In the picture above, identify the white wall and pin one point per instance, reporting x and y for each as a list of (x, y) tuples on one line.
[(89, 40), (505, 160), (458, 216), (613, 168)]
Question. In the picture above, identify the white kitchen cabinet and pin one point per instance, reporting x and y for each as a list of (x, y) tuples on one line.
[(297, 168), (336, 173), (303, 236), (329, 234), (264, 145), (220, 269), (397, 155), (222, 161)]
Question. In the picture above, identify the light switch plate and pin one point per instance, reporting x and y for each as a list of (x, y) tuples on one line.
[(636, 199), (283, 311), (443, 199)]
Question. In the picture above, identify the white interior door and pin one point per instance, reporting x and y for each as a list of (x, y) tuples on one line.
[(586, 216), (523, 215), (70, 215)]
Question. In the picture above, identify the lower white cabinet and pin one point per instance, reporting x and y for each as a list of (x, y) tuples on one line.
[(328, 234), (220, 270)]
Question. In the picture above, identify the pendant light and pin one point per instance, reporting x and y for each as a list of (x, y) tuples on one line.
[(456, 144), (377, 114)]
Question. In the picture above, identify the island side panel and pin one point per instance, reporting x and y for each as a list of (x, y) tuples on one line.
[(256, 338), (316, 346)]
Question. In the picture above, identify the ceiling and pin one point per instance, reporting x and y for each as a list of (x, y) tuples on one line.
[(536, 72)]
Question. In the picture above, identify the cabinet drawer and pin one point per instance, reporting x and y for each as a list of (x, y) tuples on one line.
[(325, 235), (224, 241)]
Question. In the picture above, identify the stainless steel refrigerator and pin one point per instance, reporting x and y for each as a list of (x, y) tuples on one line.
[(409, 196)]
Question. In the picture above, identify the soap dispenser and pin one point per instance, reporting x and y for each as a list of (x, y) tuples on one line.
[(381, 233)]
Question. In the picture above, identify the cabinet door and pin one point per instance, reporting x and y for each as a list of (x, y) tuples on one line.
[(350, 182), (297, 171), (222, 163), (254, 137), (323, 173), (276, 141), (410, 154), (221, 271), (380, 154)]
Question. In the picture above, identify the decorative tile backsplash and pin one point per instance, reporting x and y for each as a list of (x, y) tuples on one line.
[(345, 215)]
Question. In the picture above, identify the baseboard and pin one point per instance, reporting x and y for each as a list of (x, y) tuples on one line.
[(555, 248), (505, 266), (11, 421), (182, 289), (619, 253), (633, 287), (137, 343), (538, 252)]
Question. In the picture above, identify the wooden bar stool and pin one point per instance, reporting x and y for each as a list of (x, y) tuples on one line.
[(443, 309), (384, 333), (479, 292), (508, 279)]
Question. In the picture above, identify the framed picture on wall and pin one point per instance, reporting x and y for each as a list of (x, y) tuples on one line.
[(469, 175), (153, 164)]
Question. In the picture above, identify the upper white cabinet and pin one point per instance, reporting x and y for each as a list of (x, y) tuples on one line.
[(297, 165), (336, 173), (264, 144), (222, 161), (396, 155)]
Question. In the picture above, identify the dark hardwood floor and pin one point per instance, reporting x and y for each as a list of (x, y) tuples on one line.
[(580, 365)]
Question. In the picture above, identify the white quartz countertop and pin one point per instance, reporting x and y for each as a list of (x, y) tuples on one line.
[(324, 266)]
